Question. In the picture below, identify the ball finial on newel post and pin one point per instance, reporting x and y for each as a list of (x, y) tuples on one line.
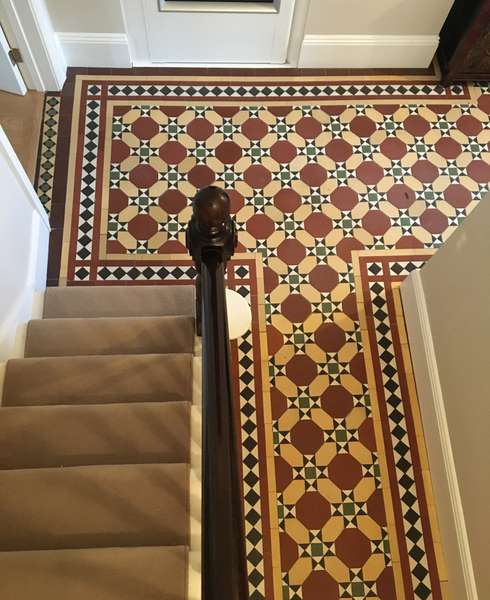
[(211, 230)]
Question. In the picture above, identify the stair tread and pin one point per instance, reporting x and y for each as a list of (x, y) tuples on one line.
[(94, 506), (119, 301), (109, 335), (145, 573), (94, 447), (94, 434), (98, 379)]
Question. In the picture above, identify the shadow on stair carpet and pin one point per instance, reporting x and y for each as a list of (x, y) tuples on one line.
[(94, 448)]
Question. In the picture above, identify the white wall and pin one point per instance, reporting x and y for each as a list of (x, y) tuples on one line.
[(372, 33), (447, 306), (338, 33), (91, 32), (377, 17), (24, 237), (93, 16)]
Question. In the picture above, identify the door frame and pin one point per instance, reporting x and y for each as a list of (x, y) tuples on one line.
[(27, 25), (18, 80), (134, 22)]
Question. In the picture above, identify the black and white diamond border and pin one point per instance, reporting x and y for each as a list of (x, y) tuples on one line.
[(275, 91), (405, 476), (47, 149)]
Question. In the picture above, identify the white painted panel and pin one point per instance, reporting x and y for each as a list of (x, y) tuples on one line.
[(24, 237), (368, 51), (96, 16), (236, 35), (10, 76), (95, 49), (377, 17)]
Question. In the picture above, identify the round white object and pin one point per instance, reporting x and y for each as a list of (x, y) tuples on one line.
[(239, 314)]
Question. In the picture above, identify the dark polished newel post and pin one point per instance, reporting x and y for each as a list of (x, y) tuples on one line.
[(211, 241), (211, 232)]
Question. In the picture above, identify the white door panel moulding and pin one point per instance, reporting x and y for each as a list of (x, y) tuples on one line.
[(186, 34)]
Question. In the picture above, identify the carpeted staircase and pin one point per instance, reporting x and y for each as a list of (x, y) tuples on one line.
[(94, 448)]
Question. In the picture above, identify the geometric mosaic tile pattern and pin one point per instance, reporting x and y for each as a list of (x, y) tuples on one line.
[(314, 175), (47, 149), (399, 427)]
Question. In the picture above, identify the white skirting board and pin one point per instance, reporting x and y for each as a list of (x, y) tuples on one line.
[(444, 477), (368, 51), (24, 241), (95, 49)]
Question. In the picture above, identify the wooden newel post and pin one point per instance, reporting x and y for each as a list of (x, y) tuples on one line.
[(211, 229), (211, 241)]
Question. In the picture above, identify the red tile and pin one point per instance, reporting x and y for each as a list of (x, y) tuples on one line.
[(346, 473), (370, 172), (425, 171), (353, 548), (376, 222), (314, 175), (296, 308), (260, 226), (306, 436), (287, 200), (319, 584), (337, 401), (344, 198), (313, 510), (323, 278), (301, 370), (433, 220), (308, 128), (200, 129), (143, 176), (362, 126), (330, 337), (338, 150), (257, 176), (479, 171)]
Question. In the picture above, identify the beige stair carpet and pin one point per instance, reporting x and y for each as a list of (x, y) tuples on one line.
[(95, 448)]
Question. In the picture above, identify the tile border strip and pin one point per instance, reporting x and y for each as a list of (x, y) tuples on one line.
[(436, 569), (46, 154)]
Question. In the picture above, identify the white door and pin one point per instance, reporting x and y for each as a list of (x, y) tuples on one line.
[(10, 76), (216, 32)]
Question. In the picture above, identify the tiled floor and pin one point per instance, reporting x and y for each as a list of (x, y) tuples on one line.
[(411, 518), (316, 169)]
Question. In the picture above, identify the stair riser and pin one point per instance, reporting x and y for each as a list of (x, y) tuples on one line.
[(94, 507), (98, 380), (92, 435), (119, 301), (82, 337), (156, 573)]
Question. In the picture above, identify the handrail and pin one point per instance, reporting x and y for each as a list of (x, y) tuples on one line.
[(211, 240)]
